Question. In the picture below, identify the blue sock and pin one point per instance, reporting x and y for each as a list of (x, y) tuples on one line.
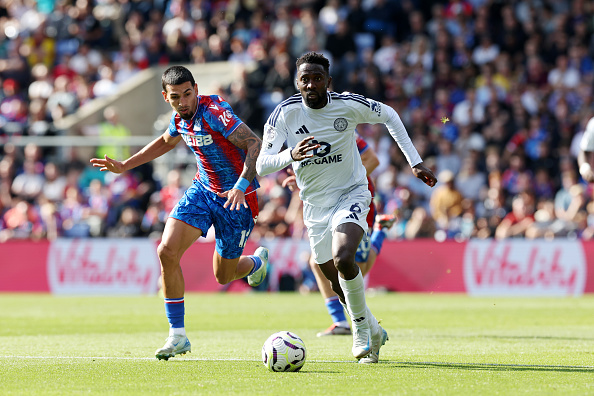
[(335, 309), (257, 264), (174, 309), (377, 240)]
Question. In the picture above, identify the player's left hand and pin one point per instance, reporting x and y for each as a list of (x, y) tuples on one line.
[(235, 199), (424, 174)]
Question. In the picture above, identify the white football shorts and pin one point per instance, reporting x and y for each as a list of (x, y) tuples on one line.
[(321, 222)]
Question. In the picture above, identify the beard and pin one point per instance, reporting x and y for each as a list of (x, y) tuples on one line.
[(315, 103)]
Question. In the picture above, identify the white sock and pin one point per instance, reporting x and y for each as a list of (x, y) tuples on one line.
[(354, 294), (177, 331), (373, 323)]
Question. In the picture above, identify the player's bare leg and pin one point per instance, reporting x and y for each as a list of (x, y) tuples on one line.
[(339, 326), (177, 238), (253, 266)]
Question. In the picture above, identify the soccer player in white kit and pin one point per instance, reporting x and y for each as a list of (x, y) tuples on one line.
[(318, 127)]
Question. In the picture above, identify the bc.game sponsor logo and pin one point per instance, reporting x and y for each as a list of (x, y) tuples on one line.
[(524, 268), (102, 266)]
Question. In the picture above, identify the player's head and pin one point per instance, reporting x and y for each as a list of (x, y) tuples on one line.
[(180, 91), (313, 79)]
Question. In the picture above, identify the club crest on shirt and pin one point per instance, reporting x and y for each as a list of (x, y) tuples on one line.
[(340, 124), (375, 107)]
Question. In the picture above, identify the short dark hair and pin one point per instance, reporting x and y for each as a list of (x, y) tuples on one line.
[(315, 58), (176, 75)]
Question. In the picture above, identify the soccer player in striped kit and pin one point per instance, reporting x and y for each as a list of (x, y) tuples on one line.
[(223, 194), (318, 127)]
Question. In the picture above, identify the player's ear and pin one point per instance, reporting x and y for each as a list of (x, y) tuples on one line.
[(196, 88), (165, 96)]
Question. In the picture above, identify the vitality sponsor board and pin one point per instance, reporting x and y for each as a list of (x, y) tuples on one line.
[(102, 266), (525, 268)]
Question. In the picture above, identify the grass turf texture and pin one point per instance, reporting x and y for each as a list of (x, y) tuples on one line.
[(439, 345)]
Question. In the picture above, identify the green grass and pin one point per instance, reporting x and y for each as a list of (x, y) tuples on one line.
[(439, 345)]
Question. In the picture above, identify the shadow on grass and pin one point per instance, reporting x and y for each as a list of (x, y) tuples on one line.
[(493, 366)]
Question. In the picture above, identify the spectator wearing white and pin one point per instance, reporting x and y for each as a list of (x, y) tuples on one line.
[(586, 154), (447, 159), (55, 183), (181, 23), (486, 52), (470, 182), (420, 52), (28, 185), (85, 61), (106, 86), (563, 75), (61, 96), (385, 57), (469, 110)]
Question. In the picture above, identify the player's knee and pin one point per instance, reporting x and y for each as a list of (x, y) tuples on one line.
[(166, 254), (343, 261), (223, 278), (345, 264)]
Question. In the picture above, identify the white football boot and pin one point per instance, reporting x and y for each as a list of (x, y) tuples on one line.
[(174, 345), (258, 276), (378, 339), (361, 341)]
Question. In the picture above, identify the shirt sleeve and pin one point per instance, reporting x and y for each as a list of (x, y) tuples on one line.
[(220, 116), (270, 160)]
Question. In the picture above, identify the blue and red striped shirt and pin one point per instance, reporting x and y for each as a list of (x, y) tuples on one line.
[(219, 161)]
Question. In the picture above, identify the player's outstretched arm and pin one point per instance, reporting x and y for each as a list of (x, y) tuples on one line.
[(154, 149), (425, 174), (244, 138)]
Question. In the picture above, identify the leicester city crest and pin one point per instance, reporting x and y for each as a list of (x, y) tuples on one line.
[(340, 124)]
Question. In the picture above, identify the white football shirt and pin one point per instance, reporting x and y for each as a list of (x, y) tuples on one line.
[(336, 166)]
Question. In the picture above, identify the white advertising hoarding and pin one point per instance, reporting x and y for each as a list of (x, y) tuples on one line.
[(103, 266), (515, 267)]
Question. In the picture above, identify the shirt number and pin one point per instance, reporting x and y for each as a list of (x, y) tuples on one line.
[(225, 117)]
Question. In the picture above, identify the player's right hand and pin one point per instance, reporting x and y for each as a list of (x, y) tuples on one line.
[(290, 181), (108, 164), (304, 149)]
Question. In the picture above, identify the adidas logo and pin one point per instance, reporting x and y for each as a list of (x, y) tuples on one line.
[(353, 216), (361, 319), (302, 131)]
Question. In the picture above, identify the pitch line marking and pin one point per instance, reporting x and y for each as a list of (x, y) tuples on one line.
[(445, 364)]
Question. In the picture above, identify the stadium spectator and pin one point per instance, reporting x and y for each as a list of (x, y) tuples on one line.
[(54, 186), (518, 221), (446, 200), (111, 131)]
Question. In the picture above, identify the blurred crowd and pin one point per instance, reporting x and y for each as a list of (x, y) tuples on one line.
[(495, 95)]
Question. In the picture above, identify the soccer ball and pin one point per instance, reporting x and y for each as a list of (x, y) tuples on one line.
[(283, 351)]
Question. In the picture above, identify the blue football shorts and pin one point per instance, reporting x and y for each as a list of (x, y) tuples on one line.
[(202, 209)]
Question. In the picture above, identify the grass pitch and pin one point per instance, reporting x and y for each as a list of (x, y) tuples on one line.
[(439, 345)]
